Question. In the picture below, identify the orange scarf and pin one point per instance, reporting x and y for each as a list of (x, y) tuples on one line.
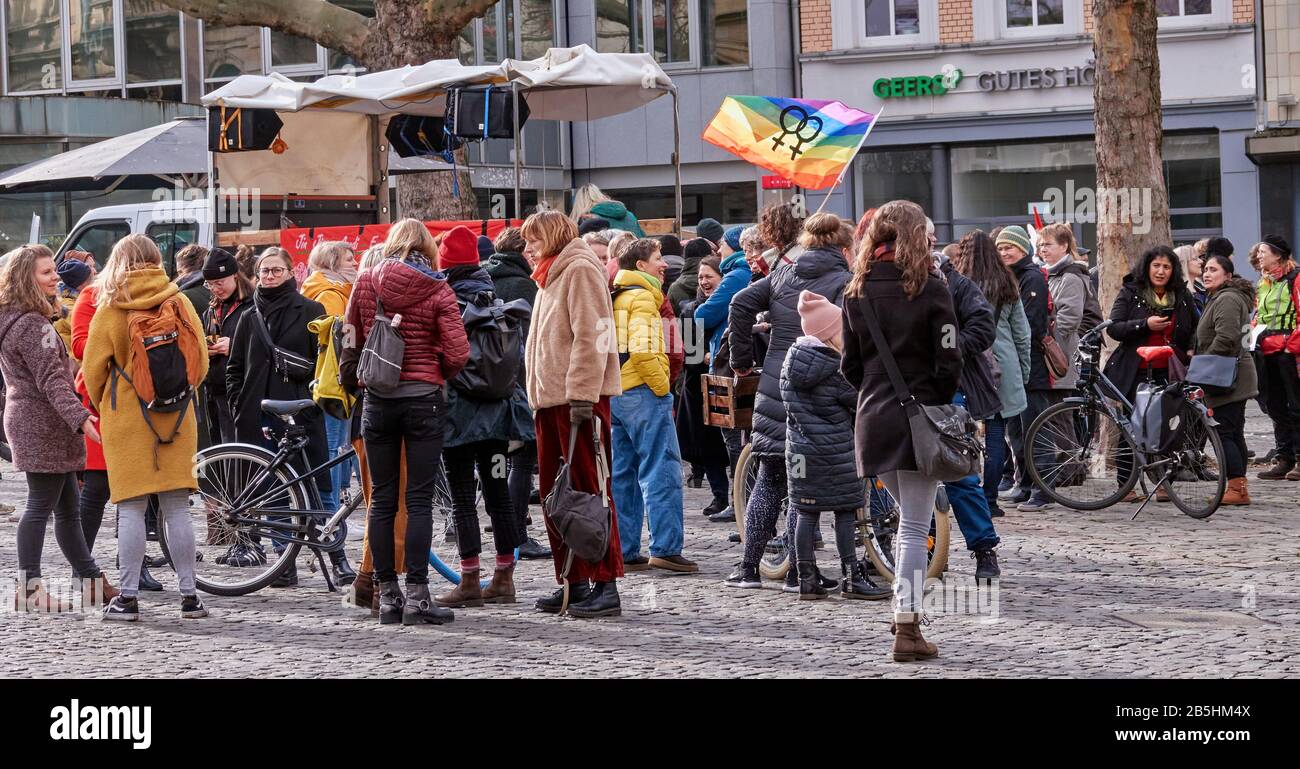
[(543, 270)]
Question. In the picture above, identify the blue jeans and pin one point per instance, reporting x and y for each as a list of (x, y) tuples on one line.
[(336, 438), (970, 507), (647, 472), (995, 456)]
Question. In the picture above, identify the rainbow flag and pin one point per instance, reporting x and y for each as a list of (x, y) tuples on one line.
[(805, 140)]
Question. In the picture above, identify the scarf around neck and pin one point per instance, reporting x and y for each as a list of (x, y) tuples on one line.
[(271, 302)]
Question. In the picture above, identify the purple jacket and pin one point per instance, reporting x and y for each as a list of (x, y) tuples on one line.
[(42, 413)]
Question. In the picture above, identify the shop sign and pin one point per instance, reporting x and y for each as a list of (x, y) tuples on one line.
[(994, 80), (771, 182), (918, 85)]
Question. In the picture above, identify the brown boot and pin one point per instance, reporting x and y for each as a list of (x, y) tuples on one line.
[(37, 601), (374, 603), (467, 593), (363, 589), (909, 646), (1237, 493), (502, 587), (97, 592)]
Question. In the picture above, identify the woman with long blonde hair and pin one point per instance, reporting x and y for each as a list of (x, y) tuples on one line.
[(44, 422), (140, 464), (895, 280)]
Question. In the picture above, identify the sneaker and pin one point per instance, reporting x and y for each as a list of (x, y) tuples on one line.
[(1294, 475), (1014, 496), (733, 536), (1006, 484), (791, 584), (532, 550), (192, 607), (636, 563), (716, 506), (996, 511), (243, 555), (674, 563), (726, 515), (1034, 504), (745, 577), (1281, 466), (122, 609), (986, 563)]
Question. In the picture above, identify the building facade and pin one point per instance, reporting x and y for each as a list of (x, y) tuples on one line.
[(1275, 146), (987, 109)]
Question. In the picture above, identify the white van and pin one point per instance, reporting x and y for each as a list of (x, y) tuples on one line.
[(172, 224)]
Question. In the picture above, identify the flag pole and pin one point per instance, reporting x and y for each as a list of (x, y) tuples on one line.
[(856, 150)]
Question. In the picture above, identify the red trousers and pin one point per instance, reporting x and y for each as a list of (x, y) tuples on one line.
[(552, 445)]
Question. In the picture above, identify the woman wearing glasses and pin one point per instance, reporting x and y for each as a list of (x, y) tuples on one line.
[(279, 315)]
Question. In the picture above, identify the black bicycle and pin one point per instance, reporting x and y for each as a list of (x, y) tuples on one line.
[(1087, 453)]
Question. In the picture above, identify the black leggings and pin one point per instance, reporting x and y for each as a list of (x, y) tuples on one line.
[(490, 459), (765, 503), (94, 498), (1231, 427), (522, 463), (845, 534), (54, 493)]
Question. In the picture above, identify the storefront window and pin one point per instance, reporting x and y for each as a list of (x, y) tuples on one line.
[(1035, 13), (618, 27), (231, 51), (90, 30), (291, 51), (672, 30), (731, 203), (896, 175), (153, 41), (1183, 7), (725, 41), (893, 17), (35, 41)]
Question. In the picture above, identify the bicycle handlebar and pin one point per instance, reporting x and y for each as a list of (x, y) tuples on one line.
[(1096, 331)]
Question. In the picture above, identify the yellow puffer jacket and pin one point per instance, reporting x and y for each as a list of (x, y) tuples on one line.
[(332, 294), (640, 331)]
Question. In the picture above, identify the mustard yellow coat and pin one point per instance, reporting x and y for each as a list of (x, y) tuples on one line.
[(129, 445), (640, 328)]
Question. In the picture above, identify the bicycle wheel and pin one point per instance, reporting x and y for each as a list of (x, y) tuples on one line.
[(1083, 448), (1197, 484), (878, 532), (226, 474), (742, 483)]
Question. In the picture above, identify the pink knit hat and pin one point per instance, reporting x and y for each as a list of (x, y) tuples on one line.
[(821, 317)]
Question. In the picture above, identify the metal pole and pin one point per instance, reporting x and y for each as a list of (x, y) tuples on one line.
[(677, 161), (514, 95)]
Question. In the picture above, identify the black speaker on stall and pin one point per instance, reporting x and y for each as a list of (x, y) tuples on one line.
[(476, 111), (417, 136), (237, 129)]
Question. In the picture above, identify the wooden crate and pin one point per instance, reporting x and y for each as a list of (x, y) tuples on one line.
[(729, 401), (654, 227)]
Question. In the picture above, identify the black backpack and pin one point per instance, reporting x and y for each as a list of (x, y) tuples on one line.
[(496, 348)]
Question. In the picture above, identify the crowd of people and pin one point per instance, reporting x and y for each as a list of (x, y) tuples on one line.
[(114, 379)]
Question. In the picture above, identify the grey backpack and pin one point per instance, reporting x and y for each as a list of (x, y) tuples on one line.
[(380, 365)]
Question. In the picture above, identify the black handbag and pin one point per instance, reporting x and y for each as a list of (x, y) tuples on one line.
[(289, 365), (1216, 374), (944, 441), (582, 520)]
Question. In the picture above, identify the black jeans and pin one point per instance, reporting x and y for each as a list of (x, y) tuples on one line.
[(385, 425), (1037, 402), (1231, 427), (55, 493), (94, 498), (1281, 386), (522, 464), (489, 457)]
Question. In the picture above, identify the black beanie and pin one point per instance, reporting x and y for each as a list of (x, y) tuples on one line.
[(1279, 244), (592, 224), (670, 245), (219, 264), (1220, 246), (697, 248)]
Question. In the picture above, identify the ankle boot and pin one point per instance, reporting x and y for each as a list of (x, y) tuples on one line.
[(97, 592), (502, 587), (1237, 492), (855, 584), (602, 601), (467, 593), (810, 586), (344, 574), (391, 603), (420, 609), (1281, 466), (147, 581), (909, 645), (363, 589)]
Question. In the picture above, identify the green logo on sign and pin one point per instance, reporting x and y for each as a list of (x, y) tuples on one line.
[(917, 85)]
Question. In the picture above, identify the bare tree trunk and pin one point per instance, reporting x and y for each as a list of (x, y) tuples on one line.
[(1132, 203)]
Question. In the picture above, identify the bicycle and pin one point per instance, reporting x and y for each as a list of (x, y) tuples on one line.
[(877, 526), (248, 494), (1090, 453)]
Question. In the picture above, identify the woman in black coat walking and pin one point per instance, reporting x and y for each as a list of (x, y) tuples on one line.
[(282, 314), (894, 279)]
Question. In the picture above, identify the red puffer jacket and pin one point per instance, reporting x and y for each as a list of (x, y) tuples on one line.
[(436, 347)]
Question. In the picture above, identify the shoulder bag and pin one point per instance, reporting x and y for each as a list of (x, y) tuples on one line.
[(581, 519), (289, 365)]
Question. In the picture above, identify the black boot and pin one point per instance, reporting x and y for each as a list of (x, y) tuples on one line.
[(828, 584), (718, 504), (420, 608), (578, 592), (854, 583), (147, 582), (602, 602), (810, 586), (344, 574), (391, 603), (532, 550), (289, 578)]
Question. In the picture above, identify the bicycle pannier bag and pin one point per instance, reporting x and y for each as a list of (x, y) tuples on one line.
[(1216, 374), (1157, 420), (380, 365)]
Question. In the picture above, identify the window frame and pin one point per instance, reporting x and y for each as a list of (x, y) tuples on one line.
[(4, 50), (849, 26), (73, 238), (1071, 24), (119, 51), (1220, 13), (693, 62), (217, 82), (318, 69), (127, 85)]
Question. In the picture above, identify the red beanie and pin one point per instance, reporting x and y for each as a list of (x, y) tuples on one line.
[(459, 247)]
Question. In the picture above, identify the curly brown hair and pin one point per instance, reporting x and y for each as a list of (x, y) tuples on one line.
[(778, 226), (18, 287), (901, 223)]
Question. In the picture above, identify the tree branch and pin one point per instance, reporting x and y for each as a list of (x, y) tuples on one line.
[(329, 25), (458, 13)]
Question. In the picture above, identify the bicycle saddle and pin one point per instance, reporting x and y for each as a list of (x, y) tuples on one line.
[(287, 408), (1154, 356)]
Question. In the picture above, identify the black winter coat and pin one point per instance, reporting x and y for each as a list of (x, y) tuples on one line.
[(512, 277), (820, 271), (976, 332), (250, 377), (819, 403), (1033, 295), (915, 330), (223, 321), (1130, 313), (471, 420)]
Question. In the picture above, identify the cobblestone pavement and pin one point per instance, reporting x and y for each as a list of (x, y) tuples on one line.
[(1082, 595)]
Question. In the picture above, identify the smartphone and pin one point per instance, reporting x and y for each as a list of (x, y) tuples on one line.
[(1165, 312)]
